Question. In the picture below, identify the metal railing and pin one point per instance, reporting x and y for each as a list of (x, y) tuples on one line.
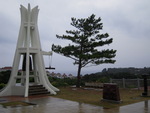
[(130, 83)]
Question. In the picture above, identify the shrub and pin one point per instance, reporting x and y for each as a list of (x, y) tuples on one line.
[(4, 76), (2, 85), (59, 82), (103, 80)]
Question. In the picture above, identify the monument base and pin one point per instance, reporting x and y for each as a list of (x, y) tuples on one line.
[(112, 101)]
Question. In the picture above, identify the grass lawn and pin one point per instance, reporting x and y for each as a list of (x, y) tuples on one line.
[(90, 96)]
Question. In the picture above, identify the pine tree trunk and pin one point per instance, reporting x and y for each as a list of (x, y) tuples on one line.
[(78, 75)]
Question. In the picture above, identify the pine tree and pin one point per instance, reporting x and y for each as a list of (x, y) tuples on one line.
[(87, 41)]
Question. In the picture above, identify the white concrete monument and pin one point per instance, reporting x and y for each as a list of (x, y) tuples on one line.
[(28, 51)]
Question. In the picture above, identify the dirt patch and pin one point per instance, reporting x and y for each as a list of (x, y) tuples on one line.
[(16, 104)]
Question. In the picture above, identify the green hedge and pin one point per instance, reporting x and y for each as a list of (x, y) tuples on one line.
[(59, 82)]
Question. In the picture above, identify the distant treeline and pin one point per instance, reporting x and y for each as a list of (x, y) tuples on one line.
[(115, 73), (103, 77)]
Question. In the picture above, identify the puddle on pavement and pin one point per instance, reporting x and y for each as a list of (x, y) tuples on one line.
[(56, 105)]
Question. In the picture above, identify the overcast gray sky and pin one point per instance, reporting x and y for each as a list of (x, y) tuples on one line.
[(126, 21)]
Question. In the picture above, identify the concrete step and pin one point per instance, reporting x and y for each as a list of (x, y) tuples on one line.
[(38, 90)]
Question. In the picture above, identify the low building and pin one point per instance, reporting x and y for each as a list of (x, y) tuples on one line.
[(8, 68), (58, 75)]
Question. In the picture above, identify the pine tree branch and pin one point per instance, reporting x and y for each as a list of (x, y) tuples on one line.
[(84, 64), (76, 60)]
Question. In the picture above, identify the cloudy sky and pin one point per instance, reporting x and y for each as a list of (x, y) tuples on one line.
[(126, 21)]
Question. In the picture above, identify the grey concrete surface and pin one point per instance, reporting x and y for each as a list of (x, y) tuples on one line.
[(56, 105)]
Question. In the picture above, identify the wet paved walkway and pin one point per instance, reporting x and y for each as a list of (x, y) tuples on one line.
[(55, 105)]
